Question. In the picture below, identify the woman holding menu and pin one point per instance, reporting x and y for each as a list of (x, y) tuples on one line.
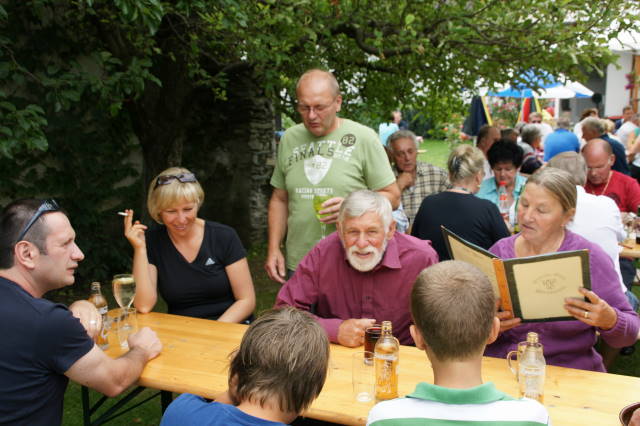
[(547, 204), (199, 267)]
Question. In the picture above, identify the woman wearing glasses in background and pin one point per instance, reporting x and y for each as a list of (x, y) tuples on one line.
[(199, 267)]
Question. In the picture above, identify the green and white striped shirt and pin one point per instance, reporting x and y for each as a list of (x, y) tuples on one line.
[(435, 405)]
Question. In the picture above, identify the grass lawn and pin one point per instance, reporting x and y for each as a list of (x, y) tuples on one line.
[(149, 413), (435, 152)]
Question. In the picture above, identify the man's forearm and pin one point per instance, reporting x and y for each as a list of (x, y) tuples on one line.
[(392, 192), (277, 220), (132, 364)]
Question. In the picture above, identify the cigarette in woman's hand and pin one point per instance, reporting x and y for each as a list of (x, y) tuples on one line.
[(123, 213)]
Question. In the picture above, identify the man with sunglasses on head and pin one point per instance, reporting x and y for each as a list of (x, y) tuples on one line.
[(325, 155), (44, 343)]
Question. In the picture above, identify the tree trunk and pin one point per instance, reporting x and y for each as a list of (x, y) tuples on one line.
[(230, 151)]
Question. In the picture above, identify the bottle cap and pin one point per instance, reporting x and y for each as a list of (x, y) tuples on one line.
[(532, 337), (502, 183)]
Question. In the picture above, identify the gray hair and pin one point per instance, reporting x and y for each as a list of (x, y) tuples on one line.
[(558, 183), (563, 123), (530, 133), (364, 201), (572, 163), (403, 134), (593, 123)]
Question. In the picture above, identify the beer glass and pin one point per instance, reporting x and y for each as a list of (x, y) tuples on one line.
[(124, 289), (363, 376), (371, 335), (317, 205), (126, 324), (518, 354)]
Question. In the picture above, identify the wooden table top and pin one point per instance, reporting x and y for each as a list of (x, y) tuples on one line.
[(630, 249), (195, 359)]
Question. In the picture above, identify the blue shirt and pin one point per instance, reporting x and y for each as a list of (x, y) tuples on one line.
[(41, 340), (620, 165), (562, 140), (489, 189), (385, 130), (188, 409)]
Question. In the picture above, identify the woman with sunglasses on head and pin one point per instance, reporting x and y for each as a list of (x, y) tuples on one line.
[(199, 267)]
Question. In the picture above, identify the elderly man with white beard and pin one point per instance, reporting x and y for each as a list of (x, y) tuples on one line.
[(361, 274)]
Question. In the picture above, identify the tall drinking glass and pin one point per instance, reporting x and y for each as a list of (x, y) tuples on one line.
[(317, 205), (124, 291)]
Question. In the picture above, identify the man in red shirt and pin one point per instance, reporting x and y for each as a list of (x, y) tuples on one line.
[(625, 191), (601, 180)]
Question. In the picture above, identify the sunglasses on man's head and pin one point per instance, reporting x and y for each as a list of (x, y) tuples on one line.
[(182, 177), (47, 206)]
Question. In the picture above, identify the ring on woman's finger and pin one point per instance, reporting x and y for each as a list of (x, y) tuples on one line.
[(93, 322), (586, 314)]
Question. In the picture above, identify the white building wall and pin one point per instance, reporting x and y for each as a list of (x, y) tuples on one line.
[(616, 95)]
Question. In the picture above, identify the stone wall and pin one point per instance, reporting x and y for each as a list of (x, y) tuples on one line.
[(231, 150)]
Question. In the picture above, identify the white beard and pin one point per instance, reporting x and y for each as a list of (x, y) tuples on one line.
[(365, 265)]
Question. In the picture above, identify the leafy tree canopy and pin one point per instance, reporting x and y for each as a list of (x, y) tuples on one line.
[(415, 53)]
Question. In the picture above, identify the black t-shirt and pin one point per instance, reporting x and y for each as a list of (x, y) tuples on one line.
[(41, 340), (474, 219), (201, 288)]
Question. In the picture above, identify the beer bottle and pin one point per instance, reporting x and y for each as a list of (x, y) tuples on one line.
[(100, 303), (385, 357), (531, 369)]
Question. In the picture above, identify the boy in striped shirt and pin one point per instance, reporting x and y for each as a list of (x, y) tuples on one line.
[(453, 308)]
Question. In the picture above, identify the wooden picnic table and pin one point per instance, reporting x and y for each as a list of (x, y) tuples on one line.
[(630, 249), (195, 359)]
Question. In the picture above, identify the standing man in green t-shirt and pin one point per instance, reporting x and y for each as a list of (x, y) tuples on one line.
[(325, 155)]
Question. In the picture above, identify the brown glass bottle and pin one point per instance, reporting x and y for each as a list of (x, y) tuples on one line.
[(386, 364), (100, 303)]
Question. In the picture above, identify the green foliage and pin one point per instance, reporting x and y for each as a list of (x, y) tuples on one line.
[(417, 55), (90, 179), (21, 127)]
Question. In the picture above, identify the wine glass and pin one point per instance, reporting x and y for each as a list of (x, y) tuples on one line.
[(317, 205), (124, 291)]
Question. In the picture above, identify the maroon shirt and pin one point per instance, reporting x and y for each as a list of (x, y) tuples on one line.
[(623, 189), (326, 285)]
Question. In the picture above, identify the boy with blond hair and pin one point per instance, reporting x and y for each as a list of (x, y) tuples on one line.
[(453, 308)]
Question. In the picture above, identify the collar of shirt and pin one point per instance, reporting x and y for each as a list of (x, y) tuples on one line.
[(517, 189), (483, 394)]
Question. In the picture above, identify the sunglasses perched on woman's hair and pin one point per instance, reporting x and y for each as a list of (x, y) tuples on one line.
[(182, 177), (47, 206)]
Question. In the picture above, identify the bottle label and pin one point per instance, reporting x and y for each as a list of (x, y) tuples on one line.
[(386, 357), (531, 381)]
